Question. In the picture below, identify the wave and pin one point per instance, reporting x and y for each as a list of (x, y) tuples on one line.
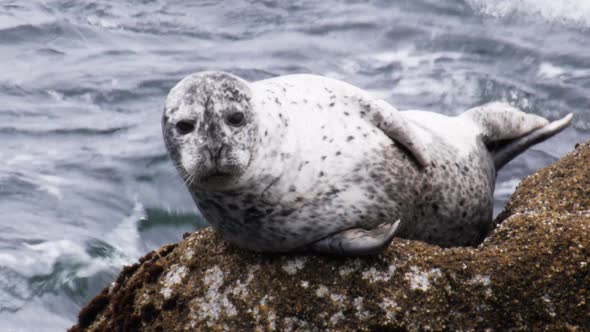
[(569, 12), (156, 217), (56, 266)]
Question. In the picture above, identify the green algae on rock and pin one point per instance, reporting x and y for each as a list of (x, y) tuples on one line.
[(531, 273)]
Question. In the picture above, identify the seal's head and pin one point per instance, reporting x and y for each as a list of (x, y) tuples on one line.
[(209, 129)]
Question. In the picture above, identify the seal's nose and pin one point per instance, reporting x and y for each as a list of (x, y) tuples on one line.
[(215, 151)]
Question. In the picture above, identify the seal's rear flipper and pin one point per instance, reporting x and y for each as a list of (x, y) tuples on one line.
[(357, 241), (508, 131), (506, 152)]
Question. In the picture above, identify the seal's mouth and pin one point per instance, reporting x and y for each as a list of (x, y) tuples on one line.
[(218, 173), (215, 175)]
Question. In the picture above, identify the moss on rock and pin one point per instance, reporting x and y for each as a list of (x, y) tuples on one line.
[(531, 273)]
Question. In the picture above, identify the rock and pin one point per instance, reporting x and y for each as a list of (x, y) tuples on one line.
[(531, 273)]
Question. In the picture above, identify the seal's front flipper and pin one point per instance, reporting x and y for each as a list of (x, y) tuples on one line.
[(508, 131), (395, 126), (357, 241)]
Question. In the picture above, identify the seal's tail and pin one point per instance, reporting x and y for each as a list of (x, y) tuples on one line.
[(508, 131)]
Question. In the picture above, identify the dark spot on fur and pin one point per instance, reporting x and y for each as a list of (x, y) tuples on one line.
[(333, 191), (292, 188), (338, 153), (323, 158), (346, 113), (377, 118), (331, 104), (349, 138), (287, 212), (321, 173), (253, 214)]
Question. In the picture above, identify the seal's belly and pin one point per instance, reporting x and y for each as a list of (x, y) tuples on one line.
[(330, 186), (358, 177), (448, 203)]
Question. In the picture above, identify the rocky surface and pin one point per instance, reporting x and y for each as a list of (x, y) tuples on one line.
[(531, 273)]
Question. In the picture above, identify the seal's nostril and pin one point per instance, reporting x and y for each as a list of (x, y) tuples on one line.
[(215, 151), (209, 153), (218, 152)]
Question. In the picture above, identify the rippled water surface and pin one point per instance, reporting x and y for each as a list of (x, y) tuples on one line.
[(85, 183)]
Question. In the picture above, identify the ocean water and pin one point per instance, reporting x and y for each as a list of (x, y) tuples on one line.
[(85, 183)]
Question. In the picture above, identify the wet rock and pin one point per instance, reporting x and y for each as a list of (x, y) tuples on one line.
[(531, 273)]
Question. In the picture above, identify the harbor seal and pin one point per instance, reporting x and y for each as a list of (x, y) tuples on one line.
[(305, 162)]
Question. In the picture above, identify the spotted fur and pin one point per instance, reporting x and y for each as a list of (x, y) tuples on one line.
[(316, 157)]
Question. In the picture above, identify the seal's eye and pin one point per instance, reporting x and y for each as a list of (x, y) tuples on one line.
[(185, 127), (235, 119)]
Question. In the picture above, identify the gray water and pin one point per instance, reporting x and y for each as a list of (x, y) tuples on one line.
[(85, 183)]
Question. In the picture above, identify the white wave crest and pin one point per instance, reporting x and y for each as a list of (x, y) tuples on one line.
[(41, 259), (569, 12)]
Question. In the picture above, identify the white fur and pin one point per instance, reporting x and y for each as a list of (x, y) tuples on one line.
[(458, 132), (303, 136)]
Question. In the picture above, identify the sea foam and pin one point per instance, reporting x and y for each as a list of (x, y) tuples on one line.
[(569, 12)]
